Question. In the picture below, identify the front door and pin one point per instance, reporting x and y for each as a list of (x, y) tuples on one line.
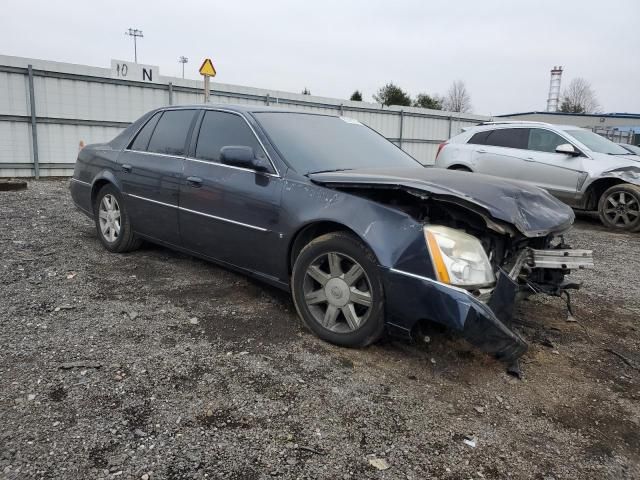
[(151, 171), (558, 173), (229, 213)]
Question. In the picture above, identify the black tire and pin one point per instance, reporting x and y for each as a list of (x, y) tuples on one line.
[(350, 250), (460, 168), (126, 240), (617, 215)]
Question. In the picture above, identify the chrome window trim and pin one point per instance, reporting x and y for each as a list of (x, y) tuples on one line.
[(210, 162), (260, 229), (277, 174), (179, 157), (80, 182), (205, 109)]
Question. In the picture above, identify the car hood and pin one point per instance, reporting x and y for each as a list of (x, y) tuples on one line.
[(531, 210)]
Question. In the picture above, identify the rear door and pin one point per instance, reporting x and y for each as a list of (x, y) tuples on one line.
[(229, 213), (151, 171), (558, 173), (501, 152)]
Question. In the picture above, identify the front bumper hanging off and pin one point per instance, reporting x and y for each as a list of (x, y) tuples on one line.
[(484, 321)]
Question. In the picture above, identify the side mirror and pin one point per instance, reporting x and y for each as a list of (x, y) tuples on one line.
[(567, 149), (244, 157)]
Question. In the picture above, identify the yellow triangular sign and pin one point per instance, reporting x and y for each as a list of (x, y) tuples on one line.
[(207, 69)]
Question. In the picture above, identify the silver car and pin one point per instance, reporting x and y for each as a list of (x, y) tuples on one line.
[(583, 169)]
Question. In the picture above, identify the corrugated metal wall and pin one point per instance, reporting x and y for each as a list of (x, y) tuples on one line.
[(77, 103)]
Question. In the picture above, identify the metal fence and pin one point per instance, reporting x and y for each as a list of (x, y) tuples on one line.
[(616, 135), (49, 109)]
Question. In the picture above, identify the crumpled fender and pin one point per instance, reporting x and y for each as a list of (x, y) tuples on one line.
[(627, 174)]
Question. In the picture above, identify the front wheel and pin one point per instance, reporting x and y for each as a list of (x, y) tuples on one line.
[(337, 290), (619, 207)]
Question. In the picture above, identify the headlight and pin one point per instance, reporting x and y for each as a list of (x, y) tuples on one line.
[(458, 257)]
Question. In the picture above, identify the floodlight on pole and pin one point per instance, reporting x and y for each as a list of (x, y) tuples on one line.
[(182, 59), (135, 33)]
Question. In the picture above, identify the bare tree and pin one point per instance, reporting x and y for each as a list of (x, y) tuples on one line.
[(457, 98), (579, 97)]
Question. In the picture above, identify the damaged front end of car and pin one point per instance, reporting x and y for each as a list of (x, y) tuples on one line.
[(485, 251)]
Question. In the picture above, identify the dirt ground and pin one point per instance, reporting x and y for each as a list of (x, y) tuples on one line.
[(158, 365)]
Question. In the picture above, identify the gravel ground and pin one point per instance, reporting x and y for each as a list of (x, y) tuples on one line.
[(158, 365)]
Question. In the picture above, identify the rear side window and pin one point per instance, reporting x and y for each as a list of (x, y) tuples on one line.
[(479, 138), (220, 129), (170, 134), (544, 140), (509, 137), (141, 141)]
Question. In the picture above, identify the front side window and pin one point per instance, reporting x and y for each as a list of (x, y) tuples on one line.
[(221, 129), (170, 134), (509, 137), (544, 140), (141, 142)]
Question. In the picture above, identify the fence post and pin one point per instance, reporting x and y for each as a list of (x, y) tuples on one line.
[(450, 126), (266, 99), (401, 127), (34, 129), (170, 93)]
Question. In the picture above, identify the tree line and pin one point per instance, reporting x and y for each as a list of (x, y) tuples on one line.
[(457, 98), (577, 97)]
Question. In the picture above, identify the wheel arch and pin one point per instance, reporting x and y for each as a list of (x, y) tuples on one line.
[(102, 179), (310, 231), (596, 189)]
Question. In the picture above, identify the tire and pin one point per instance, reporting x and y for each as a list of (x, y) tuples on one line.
[(119, 238), (460, 168), (619, 207), (326, 267)]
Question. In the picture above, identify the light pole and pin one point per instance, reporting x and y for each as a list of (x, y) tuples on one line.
[(135, 33), (182, 59)]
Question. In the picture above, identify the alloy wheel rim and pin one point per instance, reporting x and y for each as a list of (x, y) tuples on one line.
[(621, 208), (337, 292), (110, 218)]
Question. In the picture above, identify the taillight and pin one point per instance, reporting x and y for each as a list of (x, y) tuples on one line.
[(440, 147)]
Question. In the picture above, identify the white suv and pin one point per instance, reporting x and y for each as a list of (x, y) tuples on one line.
[(581, 168)]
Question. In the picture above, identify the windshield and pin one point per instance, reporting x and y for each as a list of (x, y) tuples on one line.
[(319, 143), (596, 143)]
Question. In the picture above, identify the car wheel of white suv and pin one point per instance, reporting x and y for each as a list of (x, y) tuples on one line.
[(619, 207)]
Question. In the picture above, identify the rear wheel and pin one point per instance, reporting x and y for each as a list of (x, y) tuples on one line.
[(112, 221), (619, 207), (338, 291)]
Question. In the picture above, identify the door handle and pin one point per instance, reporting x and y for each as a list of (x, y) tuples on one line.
[(481, 151), (529, 159), (195, 182), (126, 168)]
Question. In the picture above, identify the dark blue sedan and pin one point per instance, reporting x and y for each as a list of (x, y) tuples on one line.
[(366, 239)]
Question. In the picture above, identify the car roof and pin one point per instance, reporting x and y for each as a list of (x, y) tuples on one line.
[(523, 124), (241, 108)]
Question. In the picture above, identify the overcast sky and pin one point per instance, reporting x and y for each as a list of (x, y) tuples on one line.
[(502, 50)]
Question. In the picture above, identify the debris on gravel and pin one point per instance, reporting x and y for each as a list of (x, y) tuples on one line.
[(105, 374)]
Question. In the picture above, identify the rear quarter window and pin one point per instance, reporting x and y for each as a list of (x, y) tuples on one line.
[(479, 138), (141, 142), (509, 138)]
